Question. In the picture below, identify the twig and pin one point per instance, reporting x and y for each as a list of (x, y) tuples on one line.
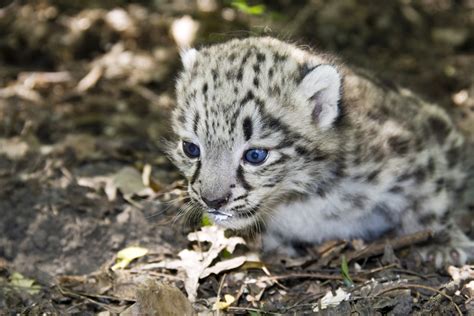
[(311, 305), (91, 78), (130, 201), (8, 8), (164, 275), (256, 310), (268, 273), (239, 293), (410, 272), (420, 286), (221, 284), (378, 248), (328, 256), (321, 276), (88, 298), (383, 268)]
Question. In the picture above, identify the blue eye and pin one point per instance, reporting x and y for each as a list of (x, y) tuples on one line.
[(255, 156), (191, 150)]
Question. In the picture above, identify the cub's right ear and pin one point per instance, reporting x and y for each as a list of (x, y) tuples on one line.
[(188, 57)]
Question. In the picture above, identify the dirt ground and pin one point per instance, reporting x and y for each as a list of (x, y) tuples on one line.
[(85, 95)]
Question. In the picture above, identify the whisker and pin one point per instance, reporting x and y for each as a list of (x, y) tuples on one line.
[(168, 205)]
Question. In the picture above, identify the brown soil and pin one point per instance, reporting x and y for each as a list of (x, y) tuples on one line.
[(83, 99)]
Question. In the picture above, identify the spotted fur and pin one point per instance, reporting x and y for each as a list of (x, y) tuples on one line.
[(349, 156)]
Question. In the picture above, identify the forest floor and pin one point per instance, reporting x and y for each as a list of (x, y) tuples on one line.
[(85, 97)]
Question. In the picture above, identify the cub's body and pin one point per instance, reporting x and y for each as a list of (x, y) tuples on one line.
[(346, 156)]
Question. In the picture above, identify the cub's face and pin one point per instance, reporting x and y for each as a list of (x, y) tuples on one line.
[(248, 123)]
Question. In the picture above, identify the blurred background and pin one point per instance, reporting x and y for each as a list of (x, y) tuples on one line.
[(86, 88)]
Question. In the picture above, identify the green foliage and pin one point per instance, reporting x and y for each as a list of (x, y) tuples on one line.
[(244, 7), (225, 254), (206, 221), (18, 281), (345, 272)]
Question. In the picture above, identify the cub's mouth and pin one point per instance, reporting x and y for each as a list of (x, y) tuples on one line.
[(219, 216), (233, 219)]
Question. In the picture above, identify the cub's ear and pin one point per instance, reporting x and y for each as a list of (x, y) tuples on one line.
[(188, 57), (321, 87)]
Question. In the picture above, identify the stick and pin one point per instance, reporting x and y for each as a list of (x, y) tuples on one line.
[(378, 248), (321, 276)]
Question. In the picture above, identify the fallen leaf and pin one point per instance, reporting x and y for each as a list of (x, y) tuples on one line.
[(34, 80), (148, 181), (120, 20), (127, 255), (84, 147), (461, 274), (470, 289), (132, 66), (224, 266), (215, 235), (220, 305), (13, 148), (91, 78), (129, 181), (3, 264), (197, 264), (19, 281), (330, 300)]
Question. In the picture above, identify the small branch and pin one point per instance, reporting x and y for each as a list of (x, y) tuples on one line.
[(321, 276), (248, 309), (221, 285), (378, 248)]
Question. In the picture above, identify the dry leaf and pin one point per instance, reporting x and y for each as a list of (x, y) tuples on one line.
[(129, 181), (91, 78), (13, 148), (330, 300), (461, 274), (127, 255), (83, 146), (197, 264), (21, 283), (215, 235), (228, 300), (224, 266), (120, 21), (470, 289)]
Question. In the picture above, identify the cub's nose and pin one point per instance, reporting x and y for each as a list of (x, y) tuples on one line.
[(217, 203)]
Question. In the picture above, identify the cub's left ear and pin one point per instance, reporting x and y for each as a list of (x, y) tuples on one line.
[(321, 87), (188, 58)]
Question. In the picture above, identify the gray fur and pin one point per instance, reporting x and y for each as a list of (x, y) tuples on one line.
[(349, 157)]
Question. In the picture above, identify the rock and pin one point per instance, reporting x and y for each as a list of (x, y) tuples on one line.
[(155, 298)]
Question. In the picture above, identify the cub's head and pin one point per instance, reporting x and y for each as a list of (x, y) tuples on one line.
[(255, 123)]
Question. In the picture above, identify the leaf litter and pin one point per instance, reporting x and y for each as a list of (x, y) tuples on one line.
[(84, 98), (198, 264)]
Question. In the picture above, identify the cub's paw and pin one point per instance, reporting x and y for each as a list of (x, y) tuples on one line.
[(442, 255)]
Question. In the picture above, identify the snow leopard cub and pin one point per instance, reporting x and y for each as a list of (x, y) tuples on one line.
[(270, 133)]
